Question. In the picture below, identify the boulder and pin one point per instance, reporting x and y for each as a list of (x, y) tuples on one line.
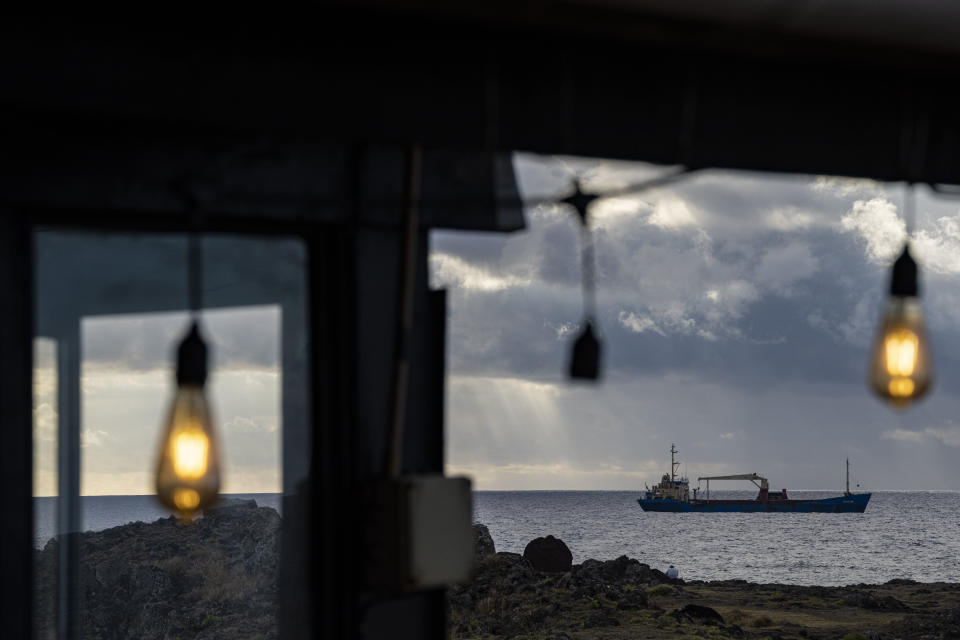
[(697, 615), (550, 555), (482, 542), (901, 581)]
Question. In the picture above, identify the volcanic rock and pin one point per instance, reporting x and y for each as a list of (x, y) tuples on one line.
[(866, 600), (550, 555), (215, 578), (623, 569), (482, 542), (698, 615)]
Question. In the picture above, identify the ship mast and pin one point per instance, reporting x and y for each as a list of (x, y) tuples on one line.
[(848, 477), (673, 465)]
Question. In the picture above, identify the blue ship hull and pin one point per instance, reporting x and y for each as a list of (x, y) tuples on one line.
[(855, 503)]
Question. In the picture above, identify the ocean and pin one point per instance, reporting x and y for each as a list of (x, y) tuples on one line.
[(912, 535)]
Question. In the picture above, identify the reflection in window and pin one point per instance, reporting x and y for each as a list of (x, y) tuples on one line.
[(135, 571), (44, 461)]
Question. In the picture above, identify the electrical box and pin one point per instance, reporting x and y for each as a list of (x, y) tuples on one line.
[(420, 533)]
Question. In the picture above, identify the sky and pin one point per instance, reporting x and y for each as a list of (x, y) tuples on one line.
[(736, 311), (127, 387)]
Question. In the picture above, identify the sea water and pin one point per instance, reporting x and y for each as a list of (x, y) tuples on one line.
[(912, 535)]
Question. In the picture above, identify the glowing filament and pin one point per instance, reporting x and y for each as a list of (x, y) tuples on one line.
[(901, 349), (901, 387), (190, 450), (186, 499)]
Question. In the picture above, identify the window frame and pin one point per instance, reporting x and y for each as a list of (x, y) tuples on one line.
[(317, 583)]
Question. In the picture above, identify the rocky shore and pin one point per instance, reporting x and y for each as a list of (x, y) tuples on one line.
[(512, 597), (214, 579), (217, 579)]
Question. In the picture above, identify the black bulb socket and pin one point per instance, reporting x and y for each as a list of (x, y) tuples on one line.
[(585, 360), (192, 359), (903, 281)]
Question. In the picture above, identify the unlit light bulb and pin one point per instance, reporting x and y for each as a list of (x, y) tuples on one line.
[(188, 469), (900, 367)]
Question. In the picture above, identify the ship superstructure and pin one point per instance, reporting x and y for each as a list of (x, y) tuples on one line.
[(671, 486)]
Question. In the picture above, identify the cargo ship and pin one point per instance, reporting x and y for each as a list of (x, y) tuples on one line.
[(672, 493)]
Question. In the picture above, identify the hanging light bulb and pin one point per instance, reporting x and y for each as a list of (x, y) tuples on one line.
[(188, 467), (900, 366)]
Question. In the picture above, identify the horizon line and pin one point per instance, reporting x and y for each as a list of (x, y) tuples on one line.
[(280, 493)]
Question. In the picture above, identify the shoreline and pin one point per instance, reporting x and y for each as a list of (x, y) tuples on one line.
[(624, 598)]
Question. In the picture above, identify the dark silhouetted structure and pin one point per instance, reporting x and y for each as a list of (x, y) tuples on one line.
[(271, 125)]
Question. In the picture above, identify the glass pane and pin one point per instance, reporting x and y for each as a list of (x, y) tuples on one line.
[(44, 480), (142, 572)]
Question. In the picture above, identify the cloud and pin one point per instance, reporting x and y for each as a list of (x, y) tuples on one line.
[(903, 435), (512, 433), (247, 337), (566, 329), (790, 218), (124, 412), (93, 438), (672, 213), (45, 422), (557, 476), (938, 248), (735, 311), (876, 221), (780, 267), (947, 436), (841, 186), (452, 271), (639, 323), (733, 282)]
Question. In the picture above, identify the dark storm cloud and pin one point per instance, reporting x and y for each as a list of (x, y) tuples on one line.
[(237, 338), (558, 251), (477, 248), (814, 328), (772, 296)]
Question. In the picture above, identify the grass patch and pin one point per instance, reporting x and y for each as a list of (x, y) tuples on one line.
[(736, 616), (666, 622), (854, 636), (762, 621), (660, 590)]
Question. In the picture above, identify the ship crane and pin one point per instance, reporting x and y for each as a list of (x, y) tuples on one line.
[(758, 480)]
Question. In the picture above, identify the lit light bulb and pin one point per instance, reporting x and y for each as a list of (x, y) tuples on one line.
[(900, 368), (188, 469)]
